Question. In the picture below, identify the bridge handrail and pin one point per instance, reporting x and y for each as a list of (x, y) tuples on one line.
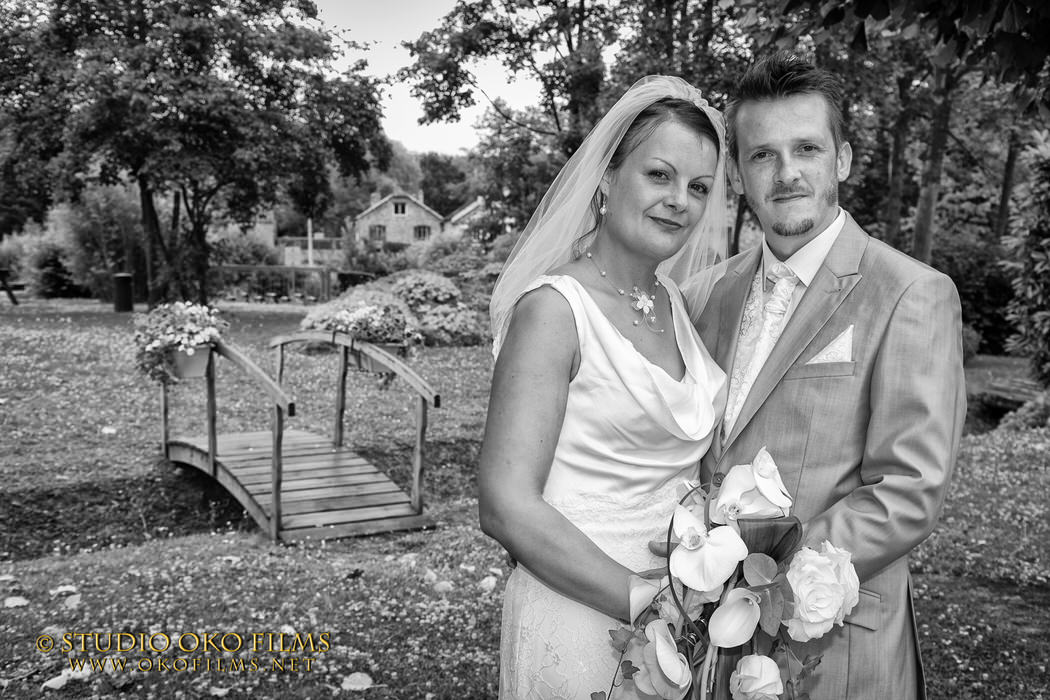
[(373, 351), (282, 404), (350, 346), (277, 395)]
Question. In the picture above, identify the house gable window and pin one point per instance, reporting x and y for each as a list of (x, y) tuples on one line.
[(422, 233), (399, 207), (377, 232)]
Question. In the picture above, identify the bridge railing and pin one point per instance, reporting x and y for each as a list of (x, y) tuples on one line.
[(282, 406), (361, 354)]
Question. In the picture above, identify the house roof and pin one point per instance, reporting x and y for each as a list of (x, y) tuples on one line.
[(398, 195), (466, 210)]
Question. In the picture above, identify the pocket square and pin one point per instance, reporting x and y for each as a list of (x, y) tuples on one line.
[(838, 350)]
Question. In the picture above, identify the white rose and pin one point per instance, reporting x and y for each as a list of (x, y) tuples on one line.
[(756, 678), (846, 575), (819, 596)]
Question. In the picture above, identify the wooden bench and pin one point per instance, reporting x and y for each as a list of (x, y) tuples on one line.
[(5, 275), (1012, 393)]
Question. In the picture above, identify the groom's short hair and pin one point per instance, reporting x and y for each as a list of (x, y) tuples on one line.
[(784, 74)]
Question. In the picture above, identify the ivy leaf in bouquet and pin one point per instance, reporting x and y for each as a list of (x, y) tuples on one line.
[(736, 588), (181, 326)]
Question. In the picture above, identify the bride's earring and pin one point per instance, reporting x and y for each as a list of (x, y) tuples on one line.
[(602, 209)]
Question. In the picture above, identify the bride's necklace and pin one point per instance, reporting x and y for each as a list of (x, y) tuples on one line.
[(641, 301)]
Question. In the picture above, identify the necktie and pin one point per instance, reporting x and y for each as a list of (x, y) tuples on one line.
[(784, 283)]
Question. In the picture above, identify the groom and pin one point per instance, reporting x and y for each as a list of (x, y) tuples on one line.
[(845, 360)]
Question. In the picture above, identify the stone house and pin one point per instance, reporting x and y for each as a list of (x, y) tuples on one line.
[(466, 219), (397, 218)]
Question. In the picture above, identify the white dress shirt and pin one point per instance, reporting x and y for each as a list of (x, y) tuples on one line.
[(805, 262)]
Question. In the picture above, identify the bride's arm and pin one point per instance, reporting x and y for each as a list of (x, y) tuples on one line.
[(526, 408)]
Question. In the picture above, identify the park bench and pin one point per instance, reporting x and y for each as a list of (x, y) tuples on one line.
[(1010, 394), (295, 484), (7, 285)]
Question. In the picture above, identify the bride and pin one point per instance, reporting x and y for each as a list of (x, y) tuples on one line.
[(603, 398)]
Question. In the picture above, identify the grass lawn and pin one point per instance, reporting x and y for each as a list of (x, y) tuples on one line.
[(99, 534)]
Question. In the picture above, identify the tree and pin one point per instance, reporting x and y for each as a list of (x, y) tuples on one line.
[(444, 181), (1006, 40), (557, 43), (700, 42), (513, 166), (1029, 266), (33, 105), (1009, 38), (216, 103)]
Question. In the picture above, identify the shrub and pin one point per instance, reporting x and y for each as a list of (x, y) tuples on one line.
[(984, 289), (46, 268), (453, 325), (371, 294), (421, 288), (242, 249), (477, 289), (447, 253), (501, 247), (459, 263), (971, 342), (1029, 266), (102, 234), (13, 253), (1033, 414), (375, 323), (361, 257)]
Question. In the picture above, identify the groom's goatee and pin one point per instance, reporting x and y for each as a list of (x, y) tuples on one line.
[(799, 228)]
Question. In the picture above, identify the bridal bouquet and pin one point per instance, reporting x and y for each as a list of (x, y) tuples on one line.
[(736, 579)]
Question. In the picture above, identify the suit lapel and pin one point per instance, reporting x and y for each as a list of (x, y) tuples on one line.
[(730, 311), (733, 302), (837, 277)]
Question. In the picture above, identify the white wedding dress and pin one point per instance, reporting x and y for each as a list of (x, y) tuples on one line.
[(631, 434)]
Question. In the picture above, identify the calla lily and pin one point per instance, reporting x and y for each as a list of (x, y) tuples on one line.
[(665, 672), (704, 559), (768, 481), (735, 620), (751, 491)]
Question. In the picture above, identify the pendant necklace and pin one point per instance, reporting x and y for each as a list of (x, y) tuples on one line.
[(641, 301)]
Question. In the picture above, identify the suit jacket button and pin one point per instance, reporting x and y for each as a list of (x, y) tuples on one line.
[(717, 478)]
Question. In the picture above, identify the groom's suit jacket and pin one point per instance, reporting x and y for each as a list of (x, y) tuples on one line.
[(865, 443)]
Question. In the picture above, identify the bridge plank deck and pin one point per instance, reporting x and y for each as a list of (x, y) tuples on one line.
[(326, 491)]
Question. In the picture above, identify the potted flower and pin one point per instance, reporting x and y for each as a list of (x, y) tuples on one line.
[(173, 340), (382, 324)]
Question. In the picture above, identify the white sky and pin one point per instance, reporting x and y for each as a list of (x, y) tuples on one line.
[(384, 24)]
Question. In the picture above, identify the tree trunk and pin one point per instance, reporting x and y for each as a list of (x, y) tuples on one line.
[(198, 255), (895, 195), (151, 227), (898, 148), (197, 248), (738, 224), (922, 238), (1002, 220)]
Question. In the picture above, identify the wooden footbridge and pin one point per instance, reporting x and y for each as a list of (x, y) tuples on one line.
[(295, 484)]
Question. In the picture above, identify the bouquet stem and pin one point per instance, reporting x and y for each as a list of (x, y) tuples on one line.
[(706, 679)]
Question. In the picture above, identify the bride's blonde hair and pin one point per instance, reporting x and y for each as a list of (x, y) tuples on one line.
[(667, 109), (566, 214)]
